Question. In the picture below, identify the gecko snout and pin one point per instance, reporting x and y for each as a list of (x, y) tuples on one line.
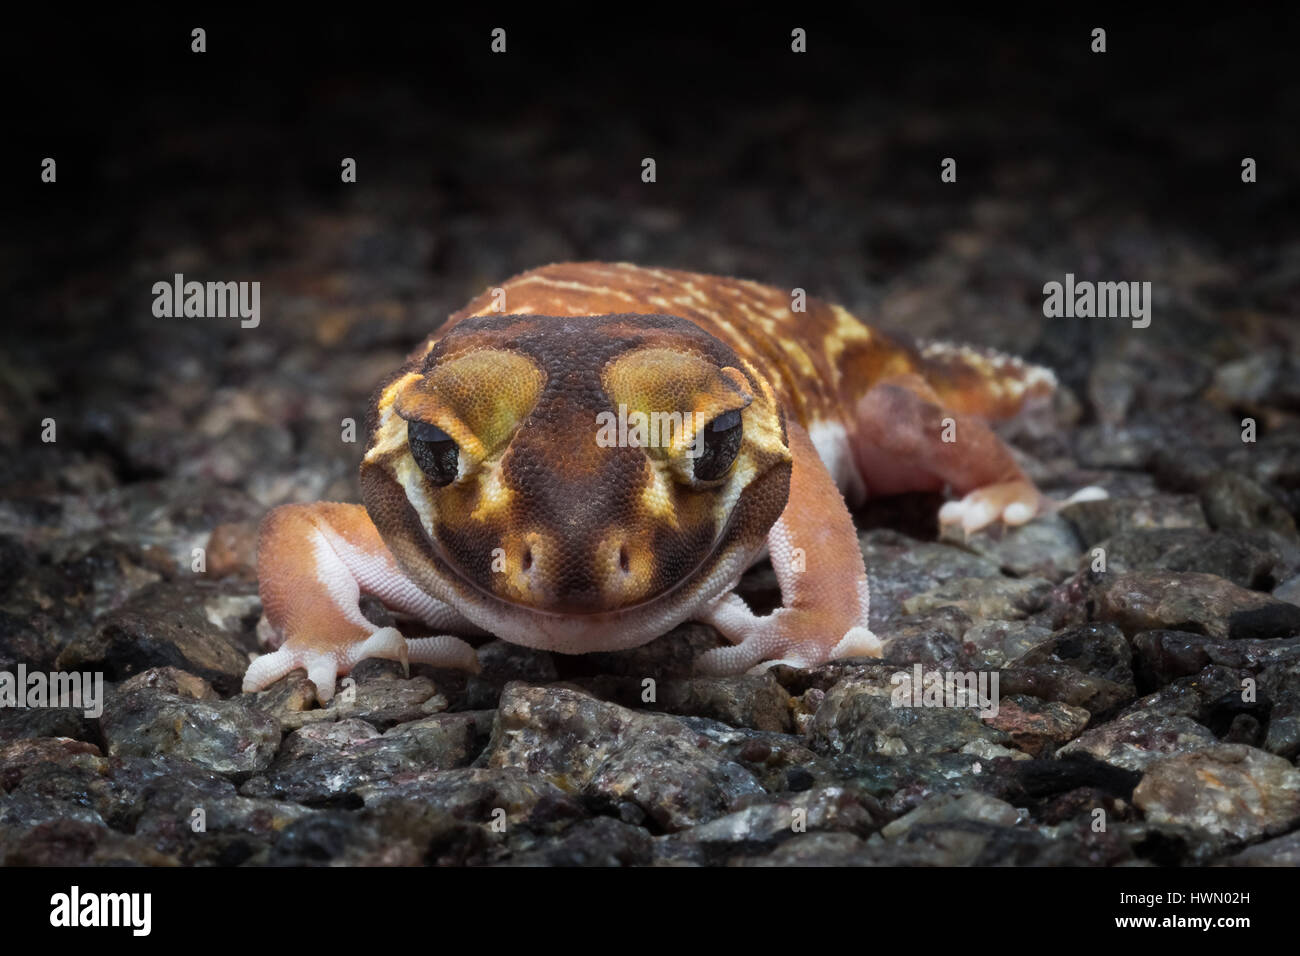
[(553, 573)]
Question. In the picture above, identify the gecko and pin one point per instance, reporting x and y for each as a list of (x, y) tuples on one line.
[(496, 503)]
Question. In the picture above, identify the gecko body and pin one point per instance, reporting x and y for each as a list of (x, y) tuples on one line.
[(494, 501)]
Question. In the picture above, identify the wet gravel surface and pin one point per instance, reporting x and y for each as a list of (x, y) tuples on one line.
[(1147, 646)]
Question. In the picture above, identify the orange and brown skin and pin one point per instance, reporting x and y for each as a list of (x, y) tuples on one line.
[(551, 537)]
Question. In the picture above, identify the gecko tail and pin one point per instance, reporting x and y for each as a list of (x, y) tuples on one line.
[(979, 381)]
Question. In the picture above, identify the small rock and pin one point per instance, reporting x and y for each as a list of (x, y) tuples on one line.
[(71, 842), (780, 762), (997, 642), (826, 848), (1201, 603), (616, 755), (933, 639), (384, 698), (397, 835), (755, 701), (1037, 726), (900, 567), (1164, 656), (600, 841), (948, 807), (1256, 380), (1088, 666), (1233, 502), (1047, 547), (170, 680), (327, 764), (1288, 590), (764, 824), (234, 613), (162, 625), (486, 797), (236, 830), (1135, 741), (17, 723), (1096, 521), (858, 718), (232, 550), (1213, 697), (1279, 687), (1236, 556), (17, 759), (1228, 790), (224, 736), (988, 751), (292, 701), (1280, 851), (983, 599)]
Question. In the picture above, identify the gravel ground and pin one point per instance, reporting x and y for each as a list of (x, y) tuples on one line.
[(1124, 734)]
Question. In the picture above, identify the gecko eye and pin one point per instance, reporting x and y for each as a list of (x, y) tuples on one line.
[(721, 442), (434, 451)]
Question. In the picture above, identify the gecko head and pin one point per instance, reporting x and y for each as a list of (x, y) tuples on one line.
[(575, 465)]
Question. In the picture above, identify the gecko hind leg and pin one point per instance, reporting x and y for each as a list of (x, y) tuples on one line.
[(908, 441)]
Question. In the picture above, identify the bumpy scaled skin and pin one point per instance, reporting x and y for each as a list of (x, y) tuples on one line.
[(496, 501)]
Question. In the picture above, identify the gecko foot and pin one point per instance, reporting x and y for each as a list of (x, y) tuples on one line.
[(786, 636), (1012, 502), (325, 664)]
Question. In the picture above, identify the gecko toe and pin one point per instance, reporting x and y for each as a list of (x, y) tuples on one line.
[(323, 672), (1017, 513), (1090, 493), (857, 642), (443, 651), (324, 665)]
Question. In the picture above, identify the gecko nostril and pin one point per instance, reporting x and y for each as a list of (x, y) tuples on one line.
[(623, 562), (527, 558)]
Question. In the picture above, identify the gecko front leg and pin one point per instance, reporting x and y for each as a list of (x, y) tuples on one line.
[(824, 592), (314, 562)]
